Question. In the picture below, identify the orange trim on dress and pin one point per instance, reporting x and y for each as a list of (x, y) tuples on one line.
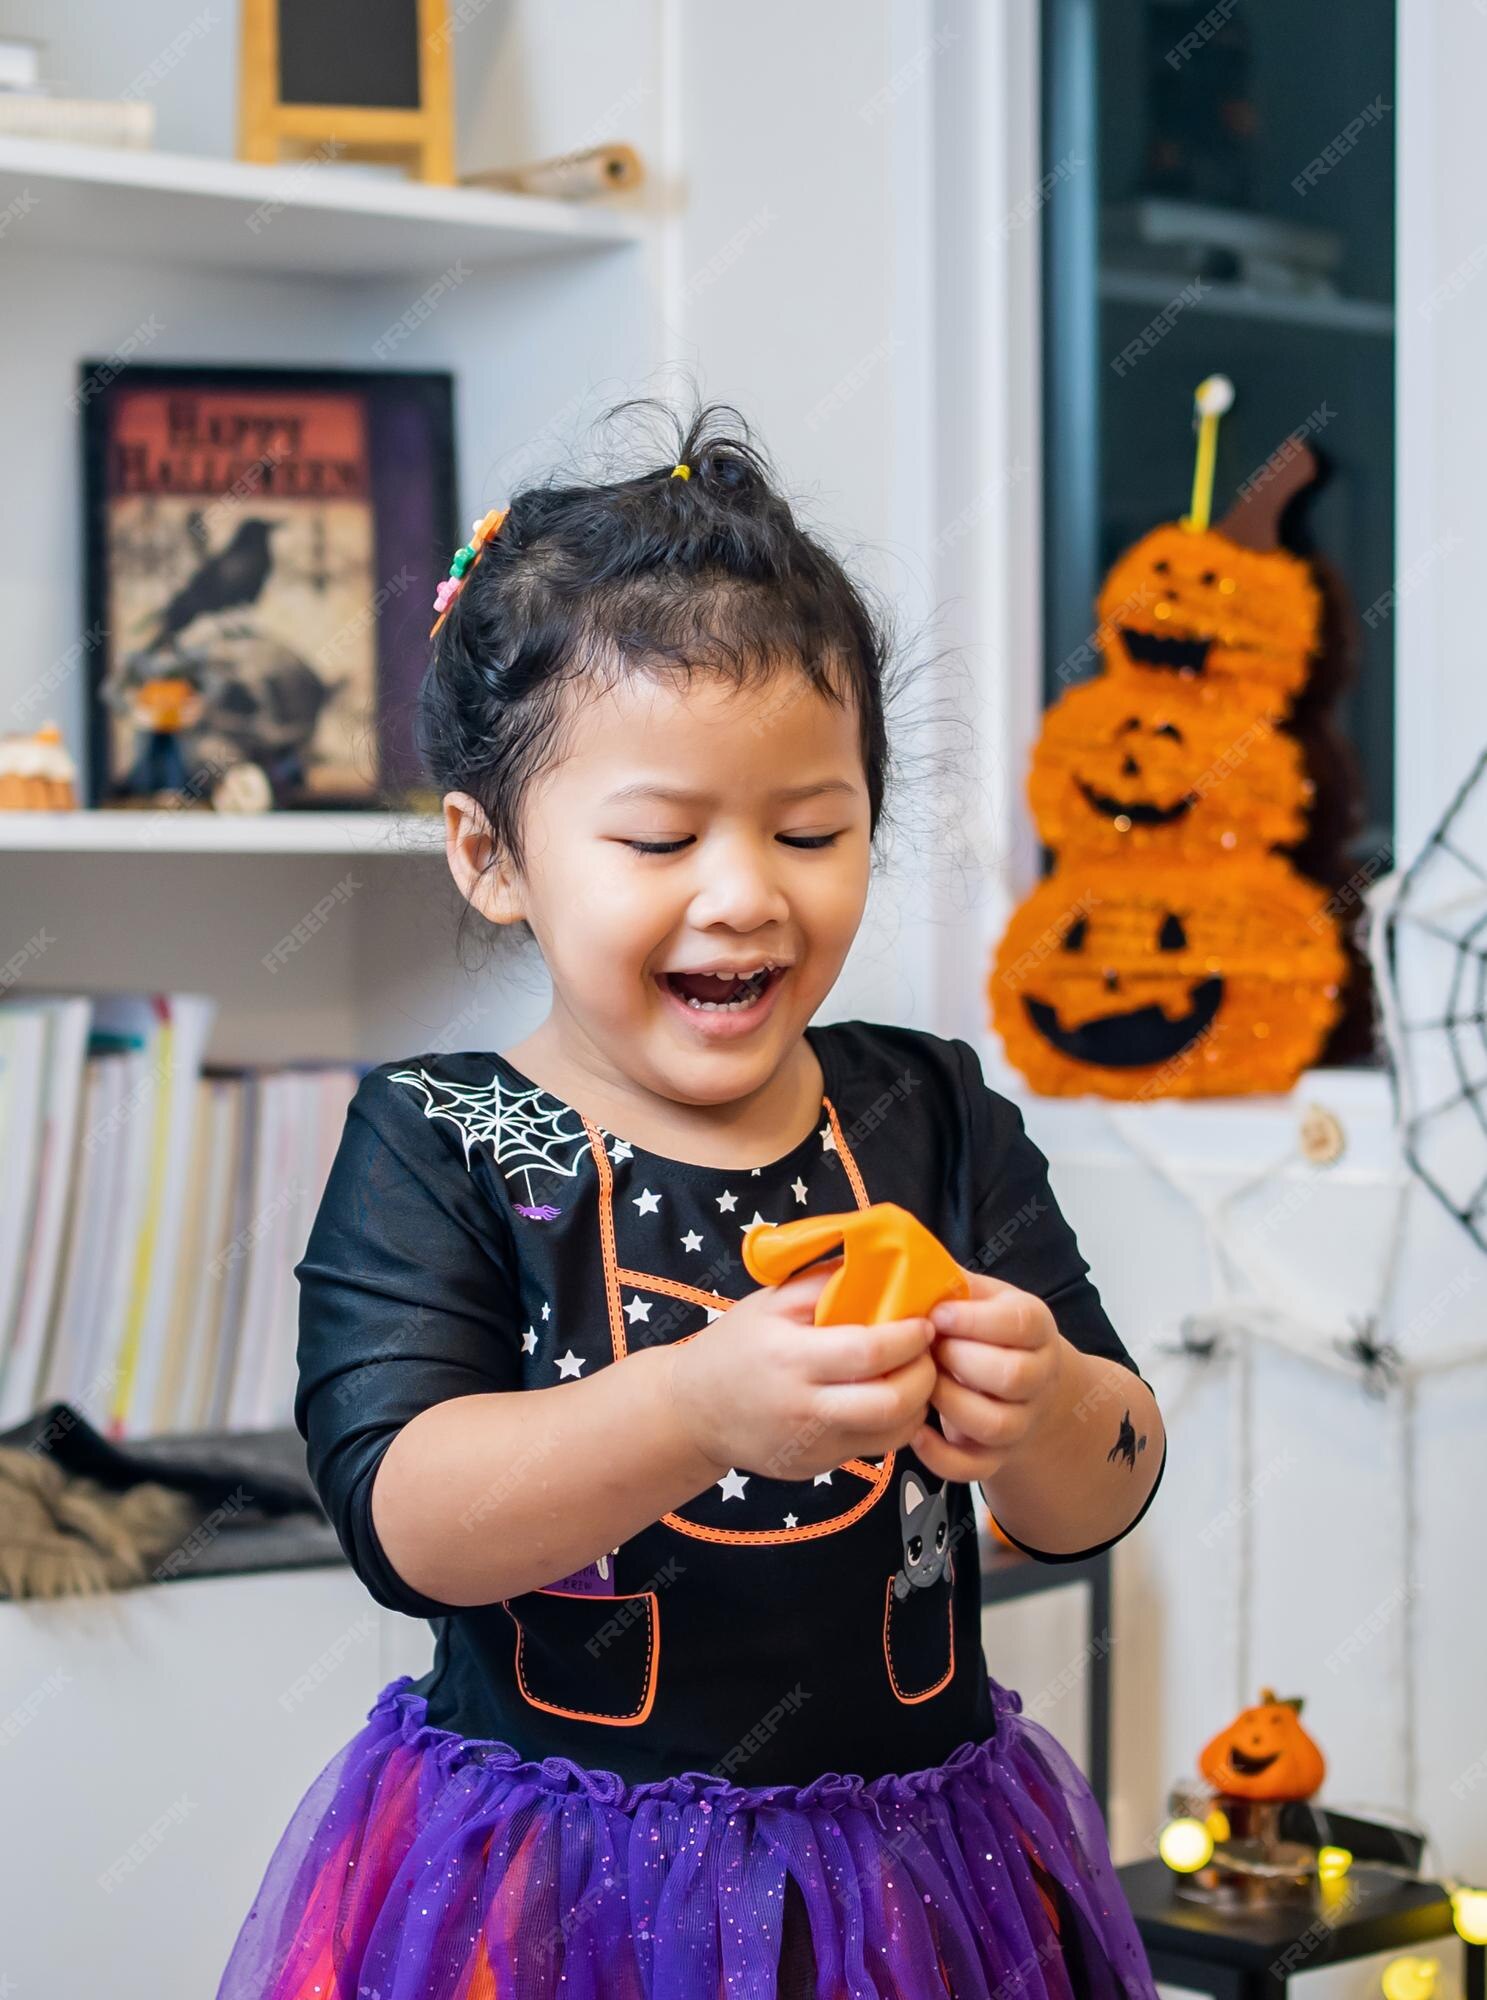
[(616, 1274), (652, 1659), (909, 1699)]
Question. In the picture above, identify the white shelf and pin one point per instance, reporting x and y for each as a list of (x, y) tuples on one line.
[(319, 216), (1336, 315), (192, 832)]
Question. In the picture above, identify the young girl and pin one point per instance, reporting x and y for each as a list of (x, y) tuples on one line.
[(709, 1716)]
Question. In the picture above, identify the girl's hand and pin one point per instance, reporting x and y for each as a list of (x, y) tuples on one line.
[(764, 1389), (999, 1359)]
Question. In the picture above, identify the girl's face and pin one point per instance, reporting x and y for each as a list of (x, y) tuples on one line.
[(688, 827)]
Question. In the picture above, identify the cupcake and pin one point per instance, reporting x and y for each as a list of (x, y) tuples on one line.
[(36, 772)]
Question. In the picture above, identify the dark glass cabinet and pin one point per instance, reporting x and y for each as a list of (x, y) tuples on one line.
[(1220, 199)]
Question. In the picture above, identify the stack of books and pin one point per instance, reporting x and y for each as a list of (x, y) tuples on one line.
[(30, 109), (152, 1211)]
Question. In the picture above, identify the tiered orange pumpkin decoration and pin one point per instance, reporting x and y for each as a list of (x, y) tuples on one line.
[(1265, 1754), (1172, 951)]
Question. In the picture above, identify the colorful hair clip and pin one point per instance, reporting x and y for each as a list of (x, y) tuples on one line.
[(681, 472), (464, 561)]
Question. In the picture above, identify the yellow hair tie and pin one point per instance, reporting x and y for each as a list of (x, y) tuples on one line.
[(681, 472)]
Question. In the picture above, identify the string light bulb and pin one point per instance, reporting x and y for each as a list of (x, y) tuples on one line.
[(1186, 1845), (1409, 1978), (1469, 1913)]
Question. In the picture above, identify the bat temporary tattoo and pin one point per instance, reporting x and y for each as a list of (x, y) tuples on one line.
[(1127, 1444)]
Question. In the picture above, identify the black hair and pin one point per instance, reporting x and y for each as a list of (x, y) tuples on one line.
[(588, 580)]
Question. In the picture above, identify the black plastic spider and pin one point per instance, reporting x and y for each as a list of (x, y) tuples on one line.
[(1380, 1360)]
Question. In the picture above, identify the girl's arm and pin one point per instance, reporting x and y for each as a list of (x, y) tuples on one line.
[(410, 1396), (1039, 1400), (1101, 1450), (483, 1497)]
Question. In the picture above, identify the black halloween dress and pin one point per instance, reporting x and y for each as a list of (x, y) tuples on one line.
[(775, 1647)]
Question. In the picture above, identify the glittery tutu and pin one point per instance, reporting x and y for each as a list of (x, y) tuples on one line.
[(426, 1865)]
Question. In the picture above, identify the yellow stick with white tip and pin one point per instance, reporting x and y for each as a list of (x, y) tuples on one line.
[(1212, 398)]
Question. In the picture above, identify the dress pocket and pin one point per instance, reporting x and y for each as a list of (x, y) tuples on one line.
[(593, 1658), (919, 1638)]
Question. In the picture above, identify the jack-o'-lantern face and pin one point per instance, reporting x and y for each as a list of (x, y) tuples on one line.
[(1197, 604), (1264, 1754), (1168, 981), (1182, 768)]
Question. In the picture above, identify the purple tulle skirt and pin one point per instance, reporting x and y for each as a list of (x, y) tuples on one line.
[(426, 1865)]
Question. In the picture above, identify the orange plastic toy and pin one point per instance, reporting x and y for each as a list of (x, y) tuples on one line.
[(892, 1268)]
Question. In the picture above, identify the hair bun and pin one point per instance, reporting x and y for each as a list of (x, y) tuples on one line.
[(726, 471)]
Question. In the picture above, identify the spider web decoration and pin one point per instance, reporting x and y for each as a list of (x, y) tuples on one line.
[(1432, 986), (523, 1137)]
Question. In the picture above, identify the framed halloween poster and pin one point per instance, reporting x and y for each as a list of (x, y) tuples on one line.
[(262, 548)]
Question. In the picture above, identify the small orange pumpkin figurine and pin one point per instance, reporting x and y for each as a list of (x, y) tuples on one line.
[(1265, 1754)]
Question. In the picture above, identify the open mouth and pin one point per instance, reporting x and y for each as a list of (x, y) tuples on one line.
[(1136, 812), (722, 993), (1129, 1041), (1150, 649), (1251, 1767)]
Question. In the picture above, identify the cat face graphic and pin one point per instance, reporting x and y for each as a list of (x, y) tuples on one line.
[(924, 1521)]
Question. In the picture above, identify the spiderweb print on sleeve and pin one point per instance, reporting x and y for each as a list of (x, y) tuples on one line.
[(1430, 962), (524, 1138)]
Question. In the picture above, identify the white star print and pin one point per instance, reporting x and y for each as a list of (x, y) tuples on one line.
[(638, 1308), (756, 1171), (647, 1203), (733, 1484), (691, 1241), (621, 1150), (797, 1188), (713, 1312), (547, 1312), (529, 1341), (727, 1201), (822, 1479), (757, 1219), (828, 1139), (569, 1364), (791, 1521)]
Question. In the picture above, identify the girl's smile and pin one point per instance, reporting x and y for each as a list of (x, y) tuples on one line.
[(719, 1007)]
